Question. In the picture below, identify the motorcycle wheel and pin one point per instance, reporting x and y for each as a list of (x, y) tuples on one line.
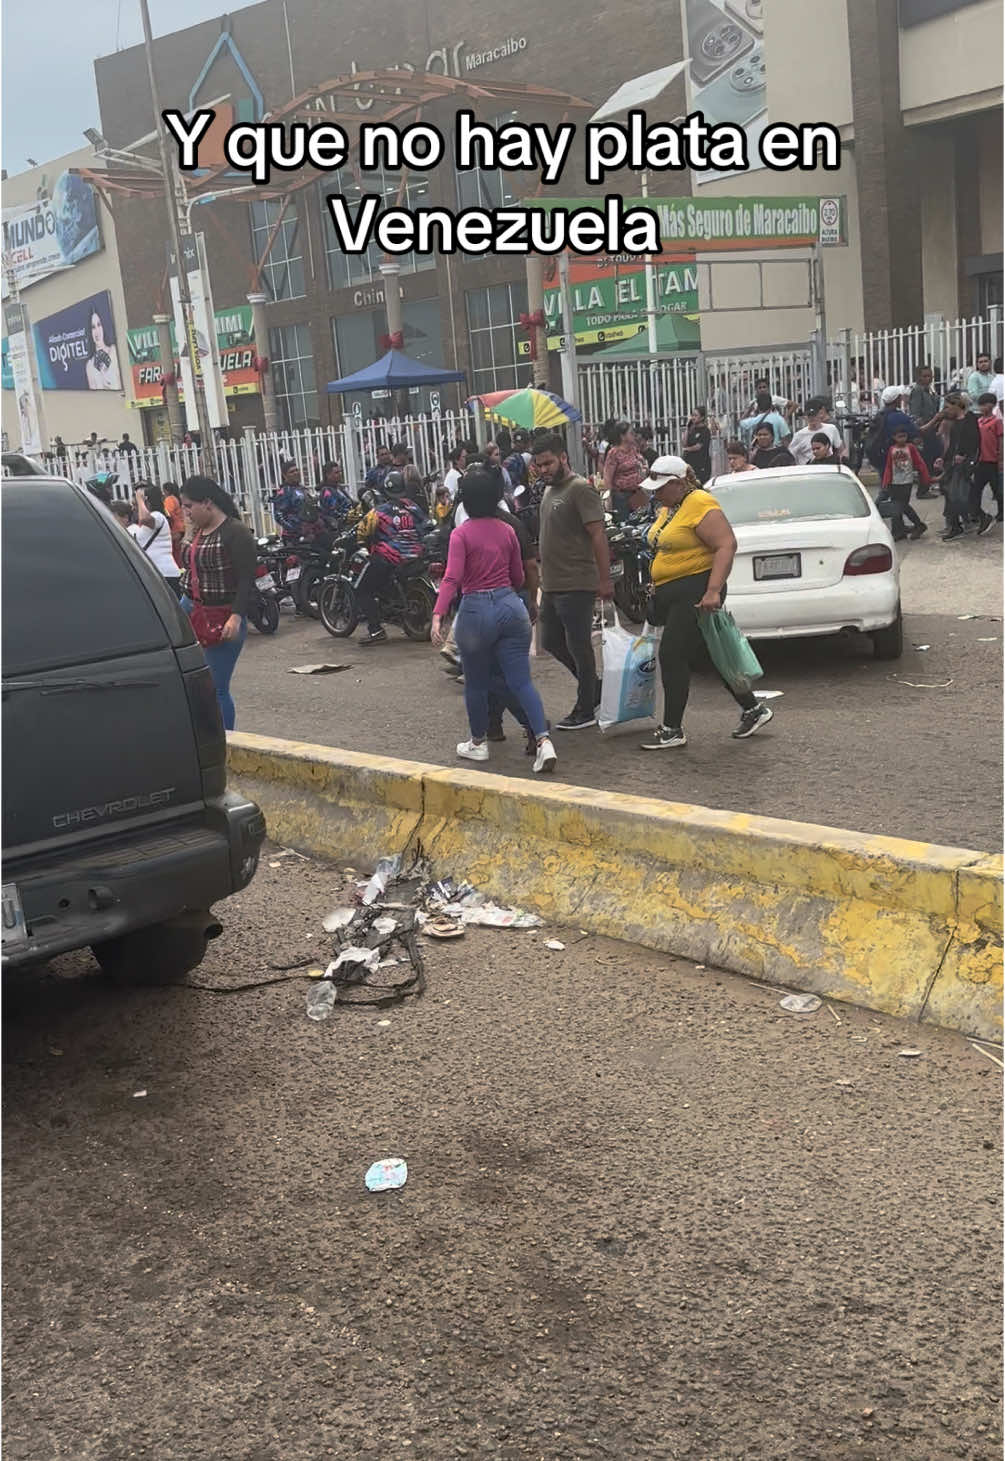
[(309, 591), (338, 608), (265, 614), (417, 620)]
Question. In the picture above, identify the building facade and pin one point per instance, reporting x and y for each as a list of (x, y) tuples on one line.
[(915, 93), (76, 307)]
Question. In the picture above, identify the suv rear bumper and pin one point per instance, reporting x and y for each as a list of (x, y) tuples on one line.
[(84, 896)]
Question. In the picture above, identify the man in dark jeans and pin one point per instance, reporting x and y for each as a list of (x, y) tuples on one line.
[(575, 568)]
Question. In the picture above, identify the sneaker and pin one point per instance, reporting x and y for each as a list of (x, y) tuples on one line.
[(953, 533), (546, 759), (752, 720), (530, 748), (472, 752), (577, 720), (453, 660), (665, 739), (987, 522), (495, 731), (376, 636), (919, 531)]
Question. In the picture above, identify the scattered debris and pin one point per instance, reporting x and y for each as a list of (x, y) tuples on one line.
[(910, 1054), (836, 1016), (443, 927), (138, 1094), (291, 852), (391, 1172), (321, 999), (922, 646), (988, 1054), (386, 871), (384, 926), (55, 1050), (383, 1024), (800, 1004), (348, 872), (317, 669), (338, 918), (992, 639), (939, 685), (555, 944), (369, 958), (490, 915), (769, 694)]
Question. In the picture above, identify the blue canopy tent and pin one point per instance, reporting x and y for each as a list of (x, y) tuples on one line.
[(394, 371)]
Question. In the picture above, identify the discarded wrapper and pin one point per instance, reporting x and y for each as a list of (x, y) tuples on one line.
[(317, 669), (800, 1004), (384, 926), (909, 1054), (369, 958), (386, 871), (338, 918), (554, 943), (391, 1172), (490, 915)]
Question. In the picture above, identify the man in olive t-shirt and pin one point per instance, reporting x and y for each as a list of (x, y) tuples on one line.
[(575, 568)]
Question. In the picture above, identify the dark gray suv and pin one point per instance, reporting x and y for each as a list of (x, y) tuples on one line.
[(118, 830)]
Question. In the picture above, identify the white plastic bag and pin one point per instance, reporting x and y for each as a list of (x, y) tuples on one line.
[(631, 673)]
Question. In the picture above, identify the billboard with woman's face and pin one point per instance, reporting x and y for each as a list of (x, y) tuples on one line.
[(75, 348)]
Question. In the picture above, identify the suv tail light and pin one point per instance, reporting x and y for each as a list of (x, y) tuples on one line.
[(874, 558), (210, 737)]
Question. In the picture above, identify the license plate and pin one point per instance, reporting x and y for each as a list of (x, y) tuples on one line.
[(267, 582), (14, 929), (292, 574), (617, 570), (780, 565)]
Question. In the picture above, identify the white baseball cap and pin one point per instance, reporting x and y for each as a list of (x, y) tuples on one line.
[(662, 470)]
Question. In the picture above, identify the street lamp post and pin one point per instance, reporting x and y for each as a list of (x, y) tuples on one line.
[(172, 201)]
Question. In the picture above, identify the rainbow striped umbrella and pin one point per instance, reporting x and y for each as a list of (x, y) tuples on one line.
[(528, 408)]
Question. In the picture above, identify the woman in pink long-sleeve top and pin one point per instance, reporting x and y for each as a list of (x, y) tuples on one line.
[(492, 627)]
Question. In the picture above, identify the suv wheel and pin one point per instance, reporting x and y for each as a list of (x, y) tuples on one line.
[(158, 955)]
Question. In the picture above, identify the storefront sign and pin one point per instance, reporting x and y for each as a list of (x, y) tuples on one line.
[(235, 343), (723, 225), (55, 233), (200, 348), (16, 331), (75, 348)]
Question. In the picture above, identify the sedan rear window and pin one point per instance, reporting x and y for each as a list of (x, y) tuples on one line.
[(69, 593), (767, 499)]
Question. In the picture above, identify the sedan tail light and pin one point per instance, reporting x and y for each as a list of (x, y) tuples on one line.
[(875, 558)]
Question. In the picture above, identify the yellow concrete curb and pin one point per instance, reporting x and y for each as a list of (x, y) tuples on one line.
[(905, 927)]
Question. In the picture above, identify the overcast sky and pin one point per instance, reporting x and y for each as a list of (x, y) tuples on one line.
[(49, 48)]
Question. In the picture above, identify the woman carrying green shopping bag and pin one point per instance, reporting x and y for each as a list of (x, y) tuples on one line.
[(693, 549)]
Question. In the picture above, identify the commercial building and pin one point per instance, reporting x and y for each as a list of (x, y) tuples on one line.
[(915, 94), (62, 263)]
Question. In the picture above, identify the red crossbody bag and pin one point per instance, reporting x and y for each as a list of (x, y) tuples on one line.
[(207, 623)]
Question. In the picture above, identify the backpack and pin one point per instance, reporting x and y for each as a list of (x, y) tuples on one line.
[(874, 445)]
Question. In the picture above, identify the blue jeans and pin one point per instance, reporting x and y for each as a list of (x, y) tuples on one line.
[(493, 632), (221, 659)]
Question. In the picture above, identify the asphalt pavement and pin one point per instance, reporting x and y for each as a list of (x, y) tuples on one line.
[(649, 1214), (911, 748)]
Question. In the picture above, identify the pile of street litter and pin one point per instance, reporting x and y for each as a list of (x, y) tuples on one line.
[(374, 934)]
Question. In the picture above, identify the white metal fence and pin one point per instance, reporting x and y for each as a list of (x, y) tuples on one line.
[(660, 391)]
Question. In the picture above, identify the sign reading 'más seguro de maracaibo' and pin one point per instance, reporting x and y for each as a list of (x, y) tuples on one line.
[(51, 234)]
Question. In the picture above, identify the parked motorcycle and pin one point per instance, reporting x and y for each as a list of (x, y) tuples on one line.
[(408, 601), (630, 564)]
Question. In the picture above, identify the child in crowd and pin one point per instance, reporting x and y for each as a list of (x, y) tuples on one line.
[(904, 466), (443, 504)]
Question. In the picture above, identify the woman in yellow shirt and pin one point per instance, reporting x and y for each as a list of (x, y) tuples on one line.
[(693, 550)]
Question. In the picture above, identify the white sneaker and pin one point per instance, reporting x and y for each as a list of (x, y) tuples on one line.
[(546, 759), (472, 752)]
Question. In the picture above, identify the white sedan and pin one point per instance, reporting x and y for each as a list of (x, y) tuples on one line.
[(813, 557)]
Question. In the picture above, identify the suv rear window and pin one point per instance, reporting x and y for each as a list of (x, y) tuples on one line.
[(767, 499), (69, 594)]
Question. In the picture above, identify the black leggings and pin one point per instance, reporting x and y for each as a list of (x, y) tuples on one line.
[(682, 648)]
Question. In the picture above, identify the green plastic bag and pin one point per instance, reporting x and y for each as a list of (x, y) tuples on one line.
[(730, 650)]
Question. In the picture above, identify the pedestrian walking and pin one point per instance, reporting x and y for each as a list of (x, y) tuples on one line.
[(923, 408), (152, 532), (575, 568), (492, 627), (624, 468), (963, 444), (988, 470), (979, 380), (817, 420), (905, 466), (697, 448), (693, 550), (217, 580), (765, 415)]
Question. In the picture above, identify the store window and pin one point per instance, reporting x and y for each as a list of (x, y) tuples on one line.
[(283, 270), (487, 187), (357, 340), (345, 270), (292, 376), (495, 337)]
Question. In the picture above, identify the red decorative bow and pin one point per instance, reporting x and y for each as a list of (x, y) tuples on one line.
[(392, 342), (261, 364), (530, 324)]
